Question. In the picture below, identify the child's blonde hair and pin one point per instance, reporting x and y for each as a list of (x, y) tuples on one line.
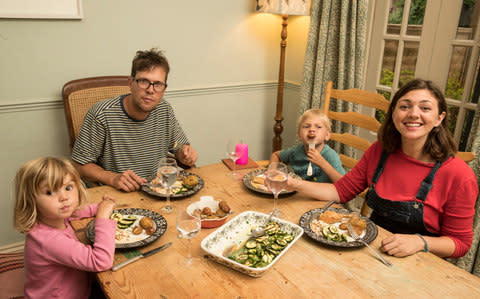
[(27, 187), (317, 113)]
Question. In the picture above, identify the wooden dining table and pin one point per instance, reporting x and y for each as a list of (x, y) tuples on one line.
[(309, 269)]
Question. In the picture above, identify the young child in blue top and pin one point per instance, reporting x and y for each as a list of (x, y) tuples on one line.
[(313, 127)]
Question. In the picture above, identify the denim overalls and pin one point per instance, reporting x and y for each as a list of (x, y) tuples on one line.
[(400, 216)]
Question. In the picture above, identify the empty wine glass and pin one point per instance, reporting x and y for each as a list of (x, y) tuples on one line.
[(234, 154), (188, 226), (167, 174), (276, 180)]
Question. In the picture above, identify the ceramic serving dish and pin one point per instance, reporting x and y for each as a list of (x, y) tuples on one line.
[(210, 202), (236, 231)]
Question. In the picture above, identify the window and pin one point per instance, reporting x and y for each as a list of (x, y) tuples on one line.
[(437, 40)]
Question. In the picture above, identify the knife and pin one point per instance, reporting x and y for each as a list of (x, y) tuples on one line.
[(148, 253)]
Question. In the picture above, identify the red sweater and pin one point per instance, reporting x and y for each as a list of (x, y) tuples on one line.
[(449, 207)]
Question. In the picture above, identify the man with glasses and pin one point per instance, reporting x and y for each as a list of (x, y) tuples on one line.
[(122, 139)]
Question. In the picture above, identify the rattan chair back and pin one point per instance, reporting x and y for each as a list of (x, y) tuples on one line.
[(80, 95)]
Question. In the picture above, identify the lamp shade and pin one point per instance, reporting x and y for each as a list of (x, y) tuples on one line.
[(284, 7)]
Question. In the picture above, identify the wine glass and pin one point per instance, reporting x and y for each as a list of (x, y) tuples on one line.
[(167, 174), (276, 180), (188, 226), (234, 154)]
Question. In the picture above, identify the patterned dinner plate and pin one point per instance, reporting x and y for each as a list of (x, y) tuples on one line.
[(260, 188), (368, 235), (174, 196), (124, 238)]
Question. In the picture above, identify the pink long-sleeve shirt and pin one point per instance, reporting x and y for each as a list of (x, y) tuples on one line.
[(450, 205), (57, 264)]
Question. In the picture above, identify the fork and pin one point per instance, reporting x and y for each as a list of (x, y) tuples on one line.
[(354, 235), (309, 169)]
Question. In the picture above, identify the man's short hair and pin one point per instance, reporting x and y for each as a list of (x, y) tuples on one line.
[(147, 60)]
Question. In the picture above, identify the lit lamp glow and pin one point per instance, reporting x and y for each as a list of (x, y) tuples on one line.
[(284, 8)]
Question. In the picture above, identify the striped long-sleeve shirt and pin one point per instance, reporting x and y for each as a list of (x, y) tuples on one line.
[(112, 139)]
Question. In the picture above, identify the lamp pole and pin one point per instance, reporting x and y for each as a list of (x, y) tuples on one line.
[(278, 128)]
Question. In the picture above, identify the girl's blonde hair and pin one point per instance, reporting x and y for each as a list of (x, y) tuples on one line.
[(27, 187), (315, 112)]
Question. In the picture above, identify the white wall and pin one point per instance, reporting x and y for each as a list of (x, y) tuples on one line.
[(224, 65)]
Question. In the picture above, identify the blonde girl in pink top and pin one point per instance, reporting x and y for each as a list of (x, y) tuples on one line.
[(49, 193)]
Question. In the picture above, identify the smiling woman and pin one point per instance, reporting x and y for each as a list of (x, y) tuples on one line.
[(414, 149), (418, 104), (415, 116)]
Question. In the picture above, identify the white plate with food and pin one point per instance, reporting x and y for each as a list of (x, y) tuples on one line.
[(135, 227), (255, 181), (187, 184), (233, 246), (330, 227)]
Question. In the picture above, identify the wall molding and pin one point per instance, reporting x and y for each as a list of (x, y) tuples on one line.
[(31, 105), (14, 247), (48, 104)]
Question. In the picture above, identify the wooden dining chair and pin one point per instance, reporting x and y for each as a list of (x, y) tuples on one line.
[(79, 95), (356, 119)]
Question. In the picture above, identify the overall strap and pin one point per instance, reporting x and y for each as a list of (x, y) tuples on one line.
[(380, 166), (427, 183)]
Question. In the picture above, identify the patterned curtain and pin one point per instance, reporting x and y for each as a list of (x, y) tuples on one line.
[(335, 52), (471, 261), (335, 49)]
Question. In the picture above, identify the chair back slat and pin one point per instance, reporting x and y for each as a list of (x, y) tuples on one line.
[(354, 118)]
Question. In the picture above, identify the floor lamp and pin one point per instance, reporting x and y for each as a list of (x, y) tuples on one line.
[(284, 8)]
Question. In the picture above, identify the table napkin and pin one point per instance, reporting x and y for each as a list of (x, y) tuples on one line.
[(250, 164)]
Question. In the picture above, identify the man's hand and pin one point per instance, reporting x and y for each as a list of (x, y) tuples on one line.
[(128, 181), (187, 155)]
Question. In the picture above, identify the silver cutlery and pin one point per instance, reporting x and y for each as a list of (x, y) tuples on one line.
[(325, 207), (148, 253), (310, 169), (355, 236), (260, 231), (152, 185)]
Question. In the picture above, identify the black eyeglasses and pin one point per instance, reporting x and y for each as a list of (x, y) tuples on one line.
[(145, 84)]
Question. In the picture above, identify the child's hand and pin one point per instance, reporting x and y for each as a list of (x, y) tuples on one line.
[(105, 207), (315, 157)]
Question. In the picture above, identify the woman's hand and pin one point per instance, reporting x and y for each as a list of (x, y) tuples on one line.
[(105, 207), (401, 245), (292, 183)]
